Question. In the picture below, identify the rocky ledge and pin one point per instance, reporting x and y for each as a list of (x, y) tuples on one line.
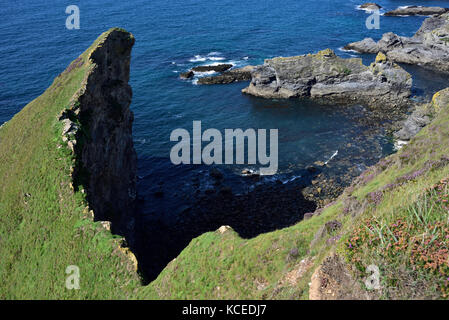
[(429, 47), (416, 11), (327, 77)]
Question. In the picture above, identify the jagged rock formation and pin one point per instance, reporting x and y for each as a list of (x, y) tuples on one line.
[(428, 48), (331, 79), (416, 10), (98, 127)]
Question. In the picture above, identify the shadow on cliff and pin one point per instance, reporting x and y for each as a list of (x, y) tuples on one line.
[(267, 208)]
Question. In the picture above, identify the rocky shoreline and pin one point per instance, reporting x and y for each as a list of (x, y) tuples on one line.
[(428, 48)]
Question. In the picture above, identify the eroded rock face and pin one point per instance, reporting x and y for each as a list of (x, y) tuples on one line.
[(428, 48), (107, 160), (333, 280), (330, 78), (416, 10), (422, 115)]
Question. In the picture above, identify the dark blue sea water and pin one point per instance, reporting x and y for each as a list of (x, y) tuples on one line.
[(173, 36)]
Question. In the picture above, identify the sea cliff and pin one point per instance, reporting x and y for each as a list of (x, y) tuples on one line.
[(68, 171)]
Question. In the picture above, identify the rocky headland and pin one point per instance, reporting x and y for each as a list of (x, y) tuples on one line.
[(329, 78), (428, 48)]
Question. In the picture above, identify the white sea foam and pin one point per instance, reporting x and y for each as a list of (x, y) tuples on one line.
[(342, 49), (142, 141), (204, 74), (216, 58), (333, 156), (213, 56), (198, 58), (399, 144), (291, 179)]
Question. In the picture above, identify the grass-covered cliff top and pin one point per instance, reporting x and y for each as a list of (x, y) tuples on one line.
[(44, 225), (394, 216)]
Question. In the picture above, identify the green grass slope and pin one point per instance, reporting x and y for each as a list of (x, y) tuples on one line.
[(394, 216), (44, 225)]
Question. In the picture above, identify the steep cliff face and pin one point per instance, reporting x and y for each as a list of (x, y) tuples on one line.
[(106, 159), (52, 184)]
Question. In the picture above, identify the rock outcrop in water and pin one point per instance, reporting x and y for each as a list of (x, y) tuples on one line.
[(101, 123), (234, 75), (216, 68), (428, 48), (330, 78), (370, 6), (416, 10)]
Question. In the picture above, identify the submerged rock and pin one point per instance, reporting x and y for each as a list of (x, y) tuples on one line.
[(216, 174), (416, 10), (186, 75), (429, 47), (332, 79)]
